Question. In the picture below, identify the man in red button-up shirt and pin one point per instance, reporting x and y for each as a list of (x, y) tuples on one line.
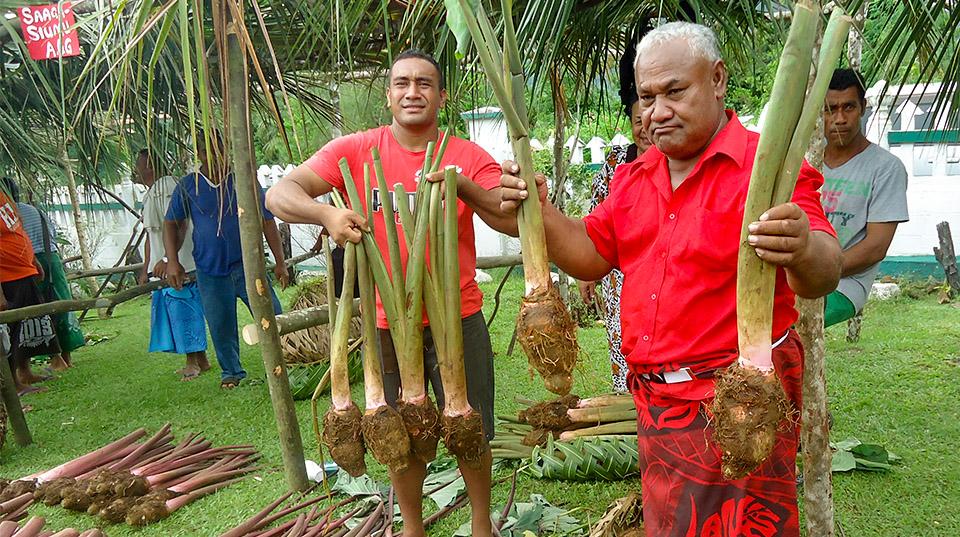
[(672, 224)]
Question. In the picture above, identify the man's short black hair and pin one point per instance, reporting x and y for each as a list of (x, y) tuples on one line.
[(12, 188), (418, 54), (849, 78)]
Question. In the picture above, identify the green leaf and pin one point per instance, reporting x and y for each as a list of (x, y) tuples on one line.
[(843, 461), (872, 453), (845, 445), (359, 486), (872, 466), (457, 23)]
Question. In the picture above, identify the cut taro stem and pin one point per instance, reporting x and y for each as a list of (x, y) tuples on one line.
[(69, 532), (341, 424), (32, 527), (91, 460), (462, 425), (253, 523)]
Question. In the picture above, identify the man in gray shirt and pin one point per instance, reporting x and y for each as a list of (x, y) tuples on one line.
[(864, 194)]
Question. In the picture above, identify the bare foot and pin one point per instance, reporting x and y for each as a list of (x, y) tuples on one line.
[(189, 373), (203, 363), (27, 377), (57, 363)]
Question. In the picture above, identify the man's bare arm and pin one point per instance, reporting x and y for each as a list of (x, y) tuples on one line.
[(292, 199), (871, 250), (568, 244)]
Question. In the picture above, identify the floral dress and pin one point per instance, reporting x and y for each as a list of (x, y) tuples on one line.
[(613, 282)]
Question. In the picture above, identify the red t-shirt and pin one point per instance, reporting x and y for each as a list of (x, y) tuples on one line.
[(678, 254), (403, 166), (16, 250)]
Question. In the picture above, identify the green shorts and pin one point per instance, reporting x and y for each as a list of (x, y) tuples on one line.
[(837, 308), (477, 361)]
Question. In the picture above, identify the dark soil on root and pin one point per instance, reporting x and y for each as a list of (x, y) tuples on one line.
[(342, 435), (129, 485), (463, 436), (18, 488), (748, 409), (386, 437), (550, 415), (117, 510), (536, 437), (422, 422), (51, 492), (147, 512), (548, 336)]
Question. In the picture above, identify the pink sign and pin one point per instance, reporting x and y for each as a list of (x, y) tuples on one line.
[(49, 31)]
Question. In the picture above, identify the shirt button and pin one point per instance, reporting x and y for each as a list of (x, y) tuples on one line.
[(653, 296), (646, 338), (673, 216)]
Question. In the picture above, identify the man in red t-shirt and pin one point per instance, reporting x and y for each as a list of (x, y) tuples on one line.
[(415, 94), (672, 224), (18, 288)]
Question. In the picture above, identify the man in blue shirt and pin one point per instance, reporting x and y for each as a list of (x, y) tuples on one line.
[(209, 199)]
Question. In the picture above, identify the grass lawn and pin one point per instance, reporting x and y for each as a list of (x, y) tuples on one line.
[(899, 387)]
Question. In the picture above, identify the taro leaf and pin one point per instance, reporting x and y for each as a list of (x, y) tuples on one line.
[(845, 445), (528, 517), (449, 493), (359, 486), (843, 461), (555, 519), (872, 466), (465, 530), (871, 452)]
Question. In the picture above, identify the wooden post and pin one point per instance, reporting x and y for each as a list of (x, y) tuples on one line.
[(251, 241), (947, 258), (8, 392), (285, 241)]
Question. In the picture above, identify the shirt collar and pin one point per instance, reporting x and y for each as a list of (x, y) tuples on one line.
[(730, 141)]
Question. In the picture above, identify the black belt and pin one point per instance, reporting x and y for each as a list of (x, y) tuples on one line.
[(684, 374)]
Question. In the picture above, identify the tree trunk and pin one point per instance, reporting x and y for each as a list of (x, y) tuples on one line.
[(855, 39), (78, 222), (251, 241), (814, 429)]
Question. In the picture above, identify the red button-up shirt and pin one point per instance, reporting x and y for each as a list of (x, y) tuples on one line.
[(677, 250)]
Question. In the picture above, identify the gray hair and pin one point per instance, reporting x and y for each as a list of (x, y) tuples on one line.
[(702, 40)]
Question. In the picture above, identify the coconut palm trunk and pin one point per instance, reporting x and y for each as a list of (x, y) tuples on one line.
[(251, 242)]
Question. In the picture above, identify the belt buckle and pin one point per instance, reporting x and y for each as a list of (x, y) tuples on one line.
[(684, 374)]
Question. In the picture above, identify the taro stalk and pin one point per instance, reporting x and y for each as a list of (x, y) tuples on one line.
[(750, 404), (383, 428), (402, 300), (341, 424), (545, 328), (462, 425)]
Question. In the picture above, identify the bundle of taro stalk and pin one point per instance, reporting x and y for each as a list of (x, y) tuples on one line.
[(414, 428), (132, 481), (750, 404), (34, 528), (545, 328), (567, 418)]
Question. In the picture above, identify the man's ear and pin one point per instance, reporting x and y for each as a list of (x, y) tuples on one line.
[(443, 97), (719, 79)]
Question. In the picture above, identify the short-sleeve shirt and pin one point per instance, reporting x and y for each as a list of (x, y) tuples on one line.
[(678, 251), (871, 187), (216, 227), (156, 201), (16, 252), (404, 167), (33, 221)]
